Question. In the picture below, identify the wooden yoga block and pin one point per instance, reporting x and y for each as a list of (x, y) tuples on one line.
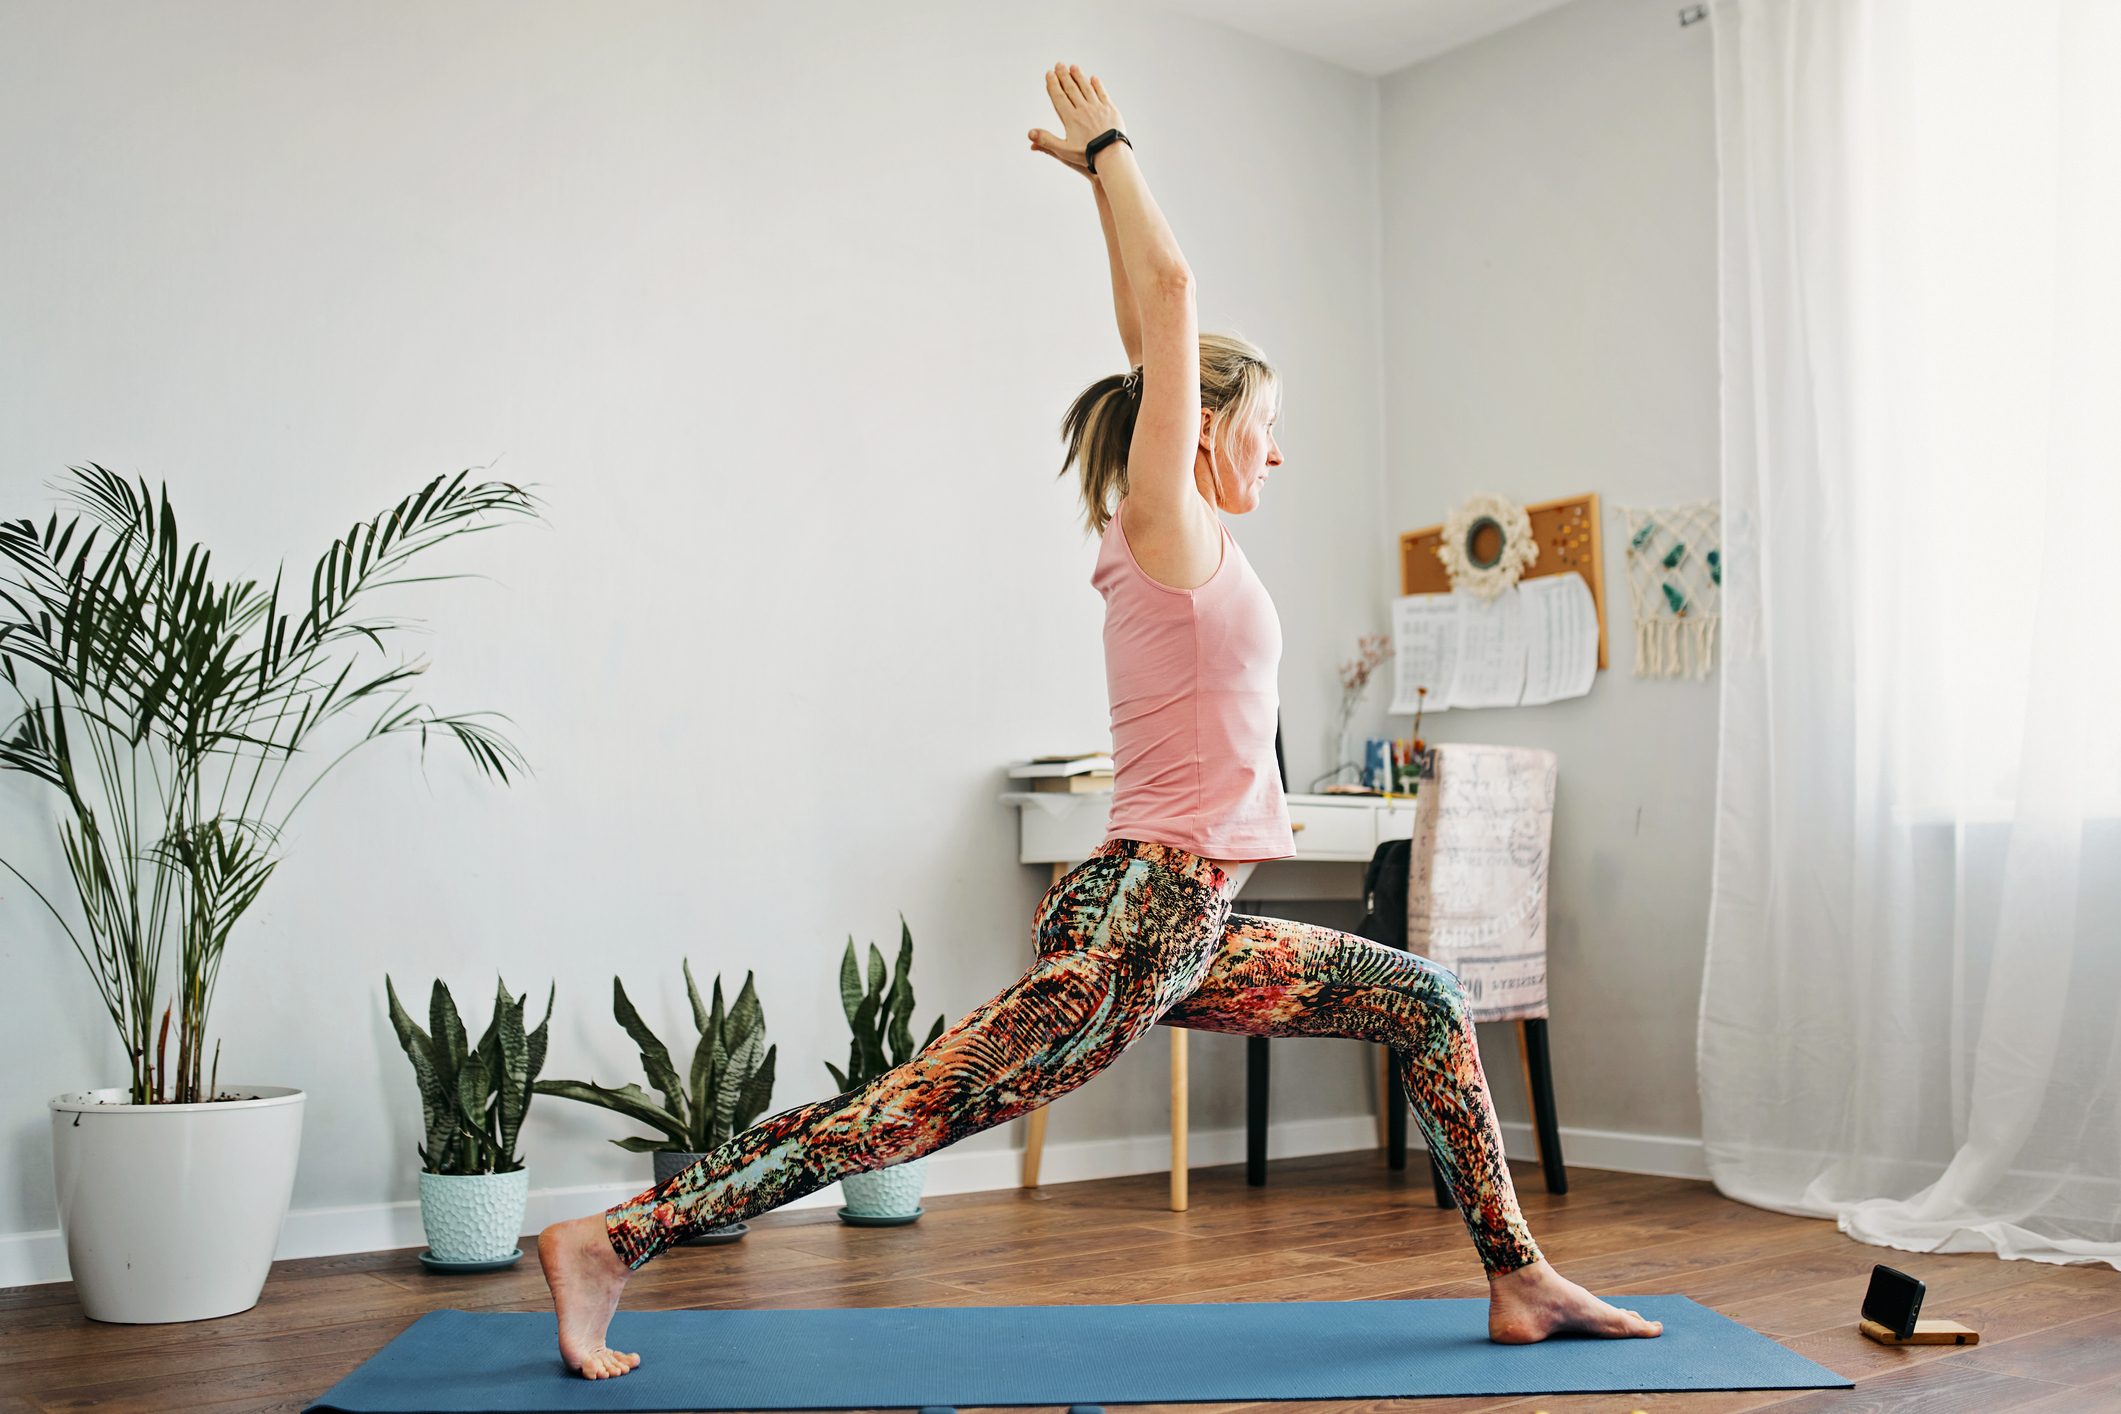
[(1926, 1333)]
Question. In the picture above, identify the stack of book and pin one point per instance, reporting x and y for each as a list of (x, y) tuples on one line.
[(1070, 774)]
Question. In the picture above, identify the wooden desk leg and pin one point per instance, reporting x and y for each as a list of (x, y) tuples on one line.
[(1384, 1095), (1034, 1144), (1178, 1119), (1035, 1122)]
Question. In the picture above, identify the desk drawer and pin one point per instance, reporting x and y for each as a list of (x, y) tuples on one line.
[(1332, 831), (1395, 822), (1062, 827)]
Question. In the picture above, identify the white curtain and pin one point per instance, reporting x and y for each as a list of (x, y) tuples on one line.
[(1911, 1015)]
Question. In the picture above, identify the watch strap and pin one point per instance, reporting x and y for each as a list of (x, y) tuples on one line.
[(1102, 141)]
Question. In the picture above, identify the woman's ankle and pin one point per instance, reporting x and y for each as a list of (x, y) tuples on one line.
[(1533, 1273), (597, 1241)]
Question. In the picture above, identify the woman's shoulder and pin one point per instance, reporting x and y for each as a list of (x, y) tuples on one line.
[(1171, 550)]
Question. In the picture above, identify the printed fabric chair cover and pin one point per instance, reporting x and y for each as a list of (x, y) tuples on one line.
[(1477, 874)]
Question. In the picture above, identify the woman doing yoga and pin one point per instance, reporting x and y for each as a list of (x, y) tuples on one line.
[(1143, 931)]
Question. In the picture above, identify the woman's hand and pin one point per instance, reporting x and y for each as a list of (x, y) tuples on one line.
[(1084, 111)]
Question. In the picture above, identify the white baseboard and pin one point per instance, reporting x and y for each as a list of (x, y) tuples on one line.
[(1663, 1155), (30, 1258)]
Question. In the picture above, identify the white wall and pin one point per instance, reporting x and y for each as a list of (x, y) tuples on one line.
[(1550, 329), (780, 313)]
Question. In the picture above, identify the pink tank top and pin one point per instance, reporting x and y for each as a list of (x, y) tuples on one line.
[(1191, 678)]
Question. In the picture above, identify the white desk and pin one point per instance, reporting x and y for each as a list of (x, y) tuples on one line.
[(1335, 837), (1332, 832)]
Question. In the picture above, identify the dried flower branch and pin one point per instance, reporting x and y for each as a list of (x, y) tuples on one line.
[(1371, 651)]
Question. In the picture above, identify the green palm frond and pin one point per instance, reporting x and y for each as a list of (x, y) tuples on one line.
[(370, 554), (226, 863), (165, 705)]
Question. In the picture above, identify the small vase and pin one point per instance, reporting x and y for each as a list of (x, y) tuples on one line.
[(893, 1192), (473, 1217), (669, 1163)]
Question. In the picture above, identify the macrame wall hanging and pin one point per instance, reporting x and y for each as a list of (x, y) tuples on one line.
[(1675, 582), (1487, 544)]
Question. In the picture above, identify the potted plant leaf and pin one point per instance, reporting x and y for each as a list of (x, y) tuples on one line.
[(473, 1099), (726, 1087), (879, 1016), (163, 708)]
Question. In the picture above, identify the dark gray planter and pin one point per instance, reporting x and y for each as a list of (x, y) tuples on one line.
[(667, 1164)]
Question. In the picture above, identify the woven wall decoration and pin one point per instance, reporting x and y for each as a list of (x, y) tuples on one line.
[(1675, 584), (1487, 543)]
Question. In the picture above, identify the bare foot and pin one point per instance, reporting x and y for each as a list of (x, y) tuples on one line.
[(586, 1277), (1535, 1302)]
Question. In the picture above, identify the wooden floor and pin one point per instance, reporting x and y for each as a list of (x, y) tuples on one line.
[(1332, 1228)]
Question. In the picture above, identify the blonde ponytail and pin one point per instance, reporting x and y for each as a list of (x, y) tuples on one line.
[(1098, 427)]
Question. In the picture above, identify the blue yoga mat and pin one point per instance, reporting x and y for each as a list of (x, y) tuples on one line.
[(1136, 1354)]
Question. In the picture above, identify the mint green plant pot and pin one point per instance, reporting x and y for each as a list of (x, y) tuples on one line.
[(473, 1217), (893, 1192)]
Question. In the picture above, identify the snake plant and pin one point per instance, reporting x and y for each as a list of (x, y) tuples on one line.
[(726, 1087), (472, 1098), (877, 1014)]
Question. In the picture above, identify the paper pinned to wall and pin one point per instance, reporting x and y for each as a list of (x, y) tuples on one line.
[(1532, 644), (1561, 651), (1425, 630), (1491, 651)]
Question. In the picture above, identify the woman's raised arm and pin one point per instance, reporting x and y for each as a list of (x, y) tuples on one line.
[(1124, 307), (1167, 427)]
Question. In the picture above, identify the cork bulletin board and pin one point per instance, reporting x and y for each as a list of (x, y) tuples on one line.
[(1566, 531)]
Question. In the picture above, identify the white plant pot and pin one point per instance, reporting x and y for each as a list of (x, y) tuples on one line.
[(893, 1192), (173, 1212), (473, 1217)]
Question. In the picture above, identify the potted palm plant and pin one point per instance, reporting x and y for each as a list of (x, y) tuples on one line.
[(880, 1015), (473, 1099), (163, 707), (727, 1086)]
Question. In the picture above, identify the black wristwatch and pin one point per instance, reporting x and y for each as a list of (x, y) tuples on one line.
[(1102, 141)]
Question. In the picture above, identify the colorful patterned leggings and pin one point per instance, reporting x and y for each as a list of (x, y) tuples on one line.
[(1137, 934)]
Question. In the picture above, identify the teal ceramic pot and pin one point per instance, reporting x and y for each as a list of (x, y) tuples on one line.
[(473, 1217), (668, 1164), (892, 1192)]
